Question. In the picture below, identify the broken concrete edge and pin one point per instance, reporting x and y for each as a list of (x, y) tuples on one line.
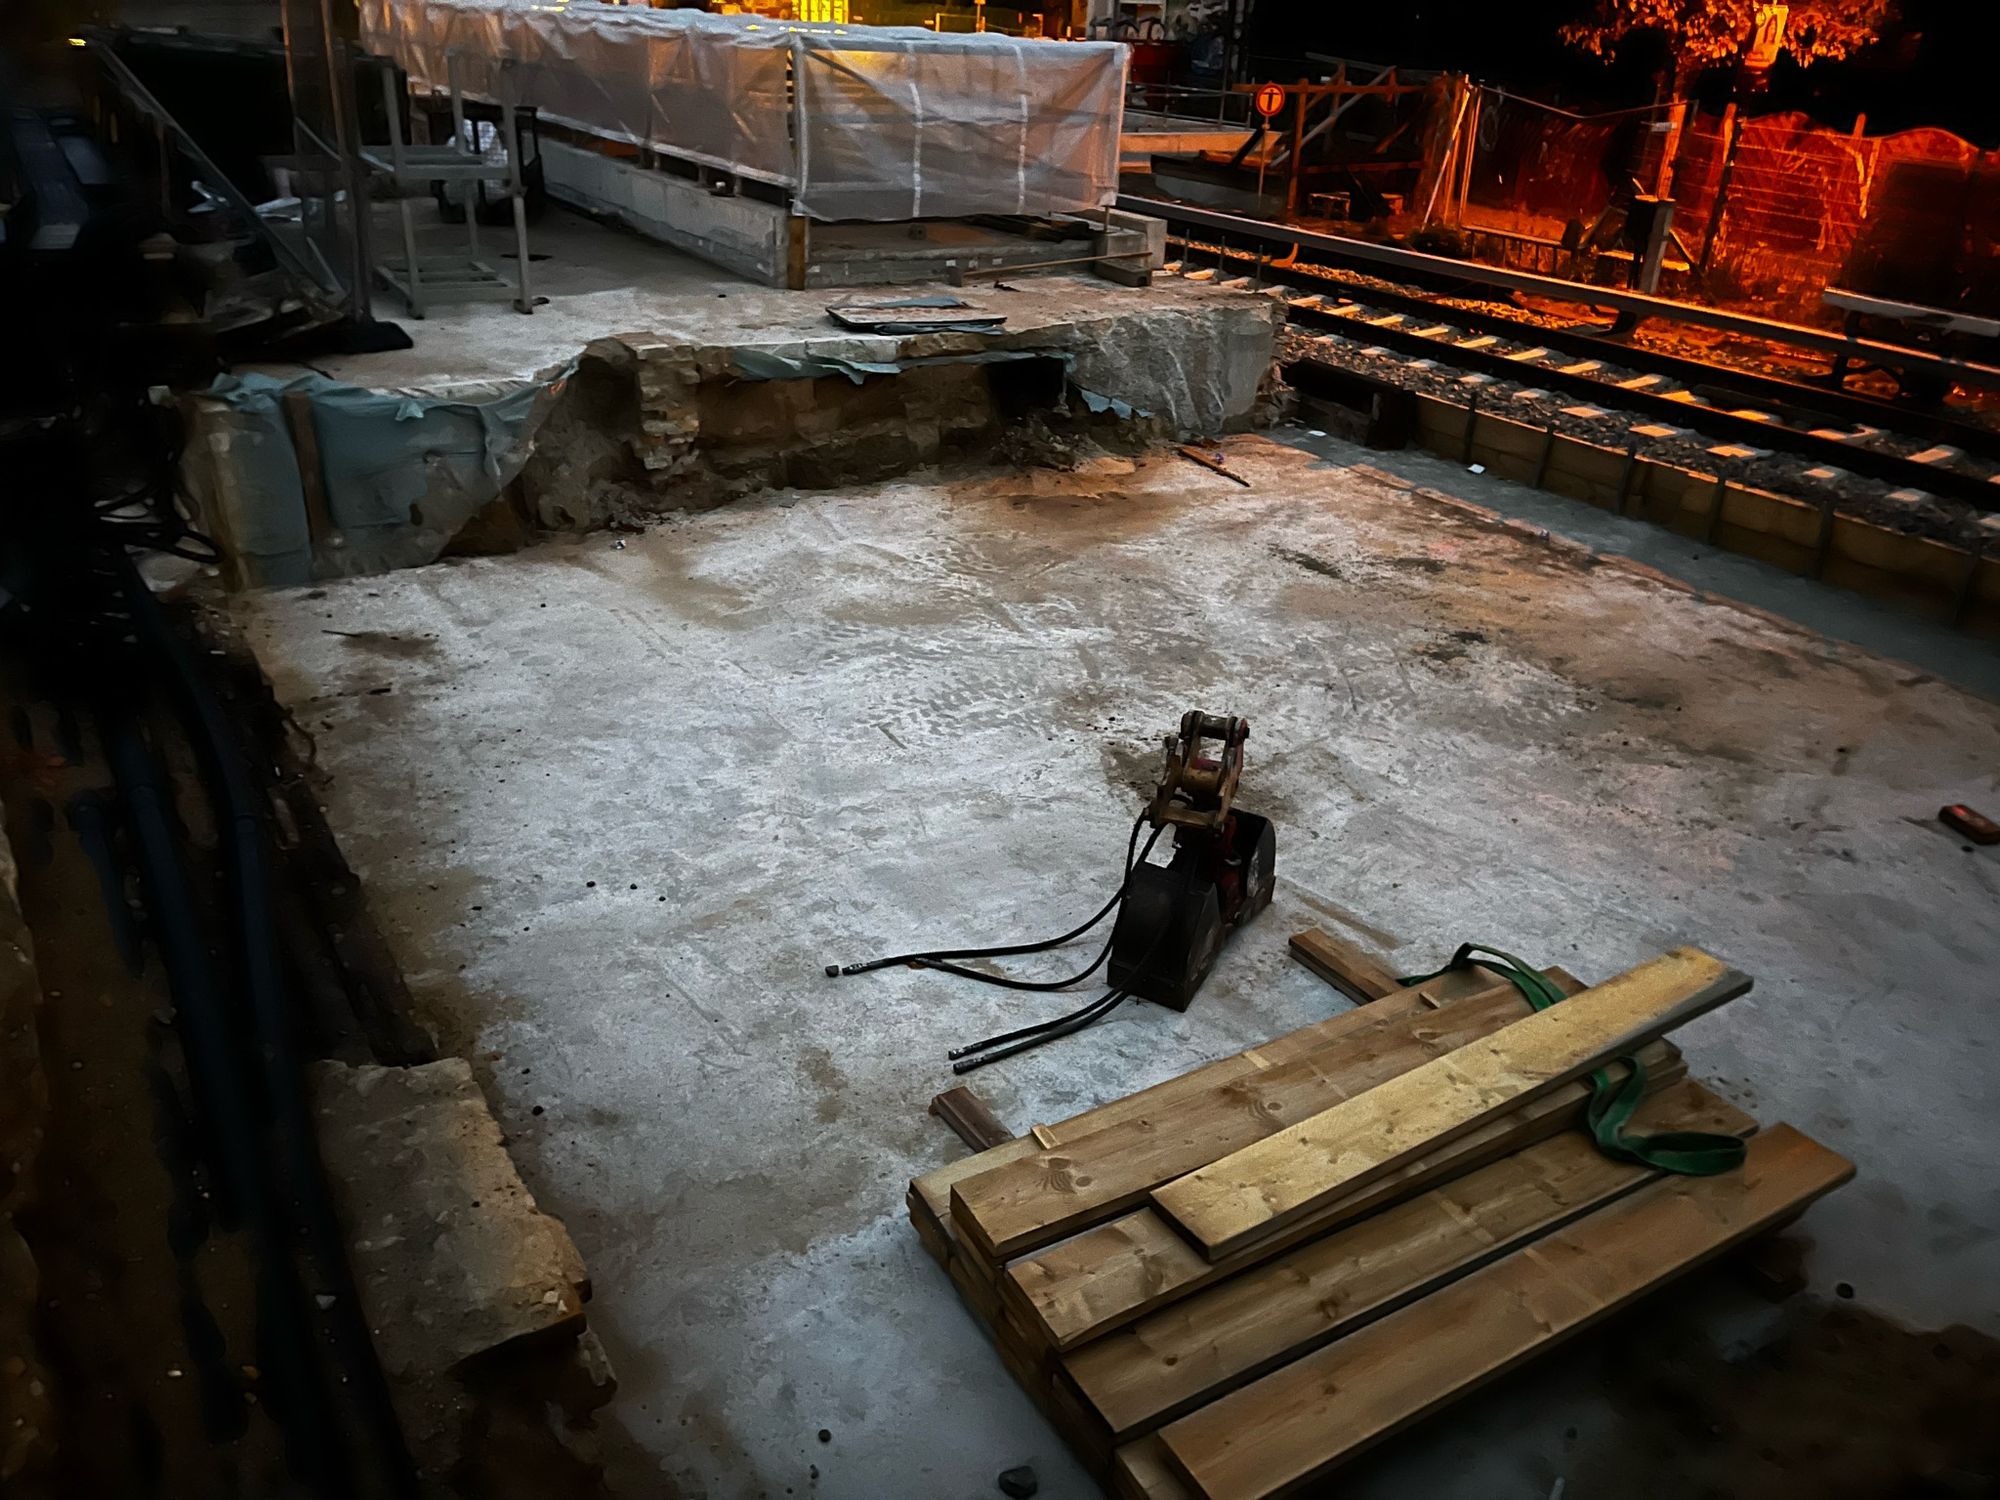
[(642, 424), (451, 1255), (27, 1396), (473, 1295)]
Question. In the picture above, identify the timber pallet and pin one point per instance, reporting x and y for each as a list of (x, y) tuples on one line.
[(1228, 1284)]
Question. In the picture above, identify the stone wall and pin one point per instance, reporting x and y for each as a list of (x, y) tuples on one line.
[(753, 390), (653, 423)]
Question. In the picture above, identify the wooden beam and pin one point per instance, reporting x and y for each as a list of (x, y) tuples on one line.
[(304, 428), (1141, 1471), (1280, 1433), (970, 1119), (1120, 1271), (1042, 1198), (1173, 1361), (1353, 971), (932, 1190), (1260, 1187)]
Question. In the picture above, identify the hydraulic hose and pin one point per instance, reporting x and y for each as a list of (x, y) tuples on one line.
[(1010, 1043), (935, 957)]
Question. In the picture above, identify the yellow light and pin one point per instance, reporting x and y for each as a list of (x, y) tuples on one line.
[(77, 41)]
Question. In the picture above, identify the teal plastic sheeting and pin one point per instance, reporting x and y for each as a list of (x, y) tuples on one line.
[(767, 364), (402, 473)]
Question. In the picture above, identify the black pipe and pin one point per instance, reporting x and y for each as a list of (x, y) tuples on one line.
[(232, 1131), (239, 825)]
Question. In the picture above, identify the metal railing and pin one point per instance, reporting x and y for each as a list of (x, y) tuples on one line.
[(1188, 102)]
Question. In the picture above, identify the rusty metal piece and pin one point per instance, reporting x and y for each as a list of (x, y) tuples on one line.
[(1969, 823), (1196, 791), (1215, 465)]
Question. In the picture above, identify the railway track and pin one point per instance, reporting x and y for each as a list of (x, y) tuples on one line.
[(1920, 450)]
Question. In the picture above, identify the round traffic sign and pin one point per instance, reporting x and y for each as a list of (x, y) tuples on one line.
[(1269, 99)]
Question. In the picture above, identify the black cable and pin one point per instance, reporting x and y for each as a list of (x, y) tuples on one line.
[(1006, 983), (930, 957), (1028, 1037), (1090, 1015), (1009, 1036), (1011, 1043)]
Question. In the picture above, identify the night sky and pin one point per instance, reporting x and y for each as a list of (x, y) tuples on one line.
[(1935, 67)]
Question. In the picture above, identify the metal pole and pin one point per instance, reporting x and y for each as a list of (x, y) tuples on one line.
[(1298, 147)]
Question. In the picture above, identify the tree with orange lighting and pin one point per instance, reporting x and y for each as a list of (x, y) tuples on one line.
[(1707, 33)]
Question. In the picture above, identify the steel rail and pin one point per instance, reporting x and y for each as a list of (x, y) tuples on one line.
[(1975, 490), (1697, 375), (1820, 340)]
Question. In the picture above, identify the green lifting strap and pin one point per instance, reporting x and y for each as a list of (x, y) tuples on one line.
[(1688, 1153)]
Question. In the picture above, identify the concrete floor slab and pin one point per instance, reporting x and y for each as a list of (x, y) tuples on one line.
[(602, 282), (618, 800)]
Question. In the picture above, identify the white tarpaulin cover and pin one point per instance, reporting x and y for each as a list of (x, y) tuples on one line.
[(887, 122)]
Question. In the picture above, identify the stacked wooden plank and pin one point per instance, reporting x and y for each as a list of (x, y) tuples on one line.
[(1229, 1283)]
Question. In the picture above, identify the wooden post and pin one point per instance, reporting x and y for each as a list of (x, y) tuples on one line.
[(796, 233), (1473, 111), (304, 430), (1441, 144), (1653, 256), (1732, 132), (1625, 475), (1670, 144)]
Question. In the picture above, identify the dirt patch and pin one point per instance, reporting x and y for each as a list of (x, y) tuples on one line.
[(389, 647), (1842, 1403), (1414, 564), (1131, 768), (1452, 645), (818, 1066), (1310, 563)]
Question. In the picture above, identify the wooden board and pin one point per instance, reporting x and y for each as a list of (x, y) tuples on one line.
[(932, 1192), (1353, 971), (1261, 1187), (1052, 1194), (1173, 1361), (1280, 1433), (1140, 1471), (970, 1119), (933, 1235), (1118, 1272), (933, 1189)]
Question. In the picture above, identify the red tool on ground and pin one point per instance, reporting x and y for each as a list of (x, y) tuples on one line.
[(1976, 826), (1172, 918)]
